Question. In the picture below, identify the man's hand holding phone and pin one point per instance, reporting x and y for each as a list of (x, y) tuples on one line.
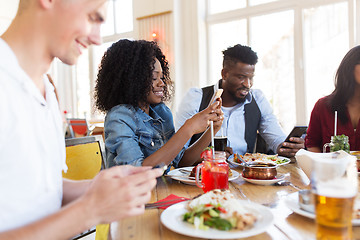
[(293, 142)]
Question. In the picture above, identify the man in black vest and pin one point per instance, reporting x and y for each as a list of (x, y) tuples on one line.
[(246, 110)]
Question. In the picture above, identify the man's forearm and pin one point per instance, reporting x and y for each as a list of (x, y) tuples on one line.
[(66, 223), (74, 189)]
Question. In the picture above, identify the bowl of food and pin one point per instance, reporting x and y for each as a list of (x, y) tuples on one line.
[(257, 170)]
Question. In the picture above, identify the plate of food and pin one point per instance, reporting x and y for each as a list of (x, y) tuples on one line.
[(186, 175), (217, 214), (278, 178), (292, 202), (259, 157)]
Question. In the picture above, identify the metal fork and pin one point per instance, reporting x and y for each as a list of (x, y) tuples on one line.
[(242, 160), (185, 171), (287, 183)]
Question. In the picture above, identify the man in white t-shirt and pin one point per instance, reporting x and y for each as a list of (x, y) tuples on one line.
[(35, 202)]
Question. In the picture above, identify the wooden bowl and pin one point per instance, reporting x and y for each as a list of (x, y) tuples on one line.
[(263, 171)]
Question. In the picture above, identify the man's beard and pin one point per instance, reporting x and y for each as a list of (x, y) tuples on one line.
[(239, 99)]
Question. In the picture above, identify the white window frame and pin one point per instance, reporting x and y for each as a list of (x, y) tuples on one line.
[(297, 6), (67, 87)]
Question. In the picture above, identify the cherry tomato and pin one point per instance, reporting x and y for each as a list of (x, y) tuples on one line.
[(221, 209)]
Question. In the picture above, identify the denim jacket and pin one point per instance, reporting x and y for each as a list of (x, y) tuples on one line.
[(131, 135)]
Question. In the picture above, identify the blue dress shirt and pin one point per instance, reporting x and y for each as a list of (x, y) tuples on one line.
[(234, 121)]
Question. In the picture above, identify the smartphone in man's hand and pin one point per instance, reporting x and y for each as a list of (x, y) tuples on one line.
[(215, 96), (297, 131)]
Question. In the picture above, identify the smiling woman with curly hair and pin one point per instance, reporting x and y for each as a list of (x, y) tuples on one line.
[(132, 84), (125, 74)]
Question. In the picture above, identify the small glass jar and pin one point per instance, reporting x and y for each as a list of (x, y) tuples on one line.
[(214, 172), (338, 143)]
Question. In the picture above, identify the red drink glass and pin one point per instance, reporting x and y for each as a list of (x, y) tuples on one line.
[(215, 173)]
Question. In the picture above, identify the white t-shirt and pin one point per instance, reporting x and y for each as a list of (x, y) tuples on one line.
[(32, 146)]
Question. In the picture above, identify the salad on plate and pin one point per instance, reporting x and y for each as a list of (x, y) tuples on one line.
[(219, 209)]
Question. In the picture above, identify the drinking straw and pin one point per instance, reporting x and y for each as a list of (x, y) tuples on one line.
[(212, 137), (335, 123)]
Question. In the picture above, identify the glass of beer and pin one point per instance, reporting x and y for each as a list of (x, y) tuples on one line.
[(334, 184)]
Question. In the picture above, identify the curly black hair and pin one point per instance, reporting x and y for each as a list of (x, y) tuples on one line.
[(125, 74), (239, 53), (345, 83)]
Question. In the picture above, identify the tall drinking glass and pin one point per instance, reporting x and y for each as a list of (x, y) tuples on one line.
[(214, 173), (334, 183), (220, 143)]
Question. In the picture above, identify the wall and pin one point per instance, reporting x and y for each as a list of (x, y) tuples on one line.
[(7, 13), (186, 69), (187, 66), (187, 58), (148, 7)]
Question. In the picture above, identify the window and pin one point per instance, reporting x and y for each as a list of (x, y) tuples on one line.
[(98, 52), (326, 41), (221, 36), (119, 18), (272, 37), (119, 24), (299, 43), (216, 6), (82, 86), (258, 2)]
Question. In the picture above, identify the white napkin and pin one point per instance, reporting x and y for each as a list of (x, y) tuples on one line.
[(305, 160)]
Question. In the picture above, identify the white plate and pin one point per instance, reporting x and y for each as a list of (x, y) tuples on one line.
[(180, 176), (292, 202), (231, 160), (278, 178), (172, 219)]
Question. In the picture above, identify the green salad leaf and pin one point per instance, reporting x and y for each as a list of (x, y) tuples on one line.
[(207, 215)]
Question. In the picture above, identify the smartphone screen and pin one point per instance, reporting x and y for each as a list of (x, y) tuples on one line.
[(297, 131)]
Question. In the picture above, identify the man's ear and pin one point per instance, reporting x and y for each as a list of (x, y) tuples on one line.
[(223, 73), (46, 4)]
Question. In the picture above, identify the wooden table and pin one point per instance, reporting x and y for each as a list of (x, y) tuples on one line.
[(287, 225)]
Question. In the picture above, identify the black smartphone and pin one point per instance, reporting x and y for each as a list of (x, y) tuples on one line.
[(297, 131)]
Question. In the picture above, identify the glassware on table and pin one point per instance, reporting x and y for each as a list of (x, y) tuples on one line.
[(220, 143), (214, 172), (338, 143), (334, 183), (357, 155)]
